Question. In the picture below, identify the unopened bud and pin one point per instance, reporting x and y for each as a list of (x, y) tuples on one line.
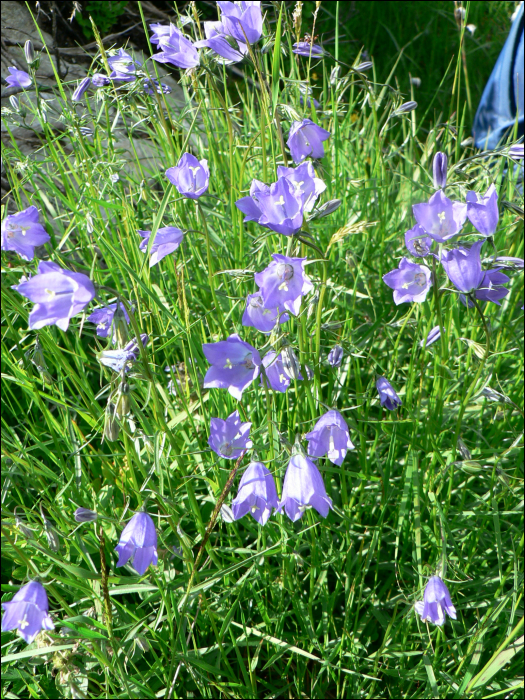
[(409, 106), (309, 372), (111, 426), (121, 327), (335, 356), (32, 59), (290, 363), (123, 403), (13, 101), (362, 67), (439, 167), (84, 515)]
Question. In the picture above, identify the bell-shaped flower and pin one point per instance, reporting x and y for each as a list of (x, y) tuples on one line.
[(418, 241), (433, 335), (440, 217), (58, 295), (278, 378), (176, 49), (388, 397), (123, 67), (283, 283), (483, 211), (463, 267), (306, 185), (439, 168), (217, 41), (27, 611), (249, 205), (105, 319), (100, 80), (138, 542), (436, 602), (306, 139), (18, 78), (306, 48), (491, 288), (79, 92), (335, 356), (410, 282), (234, 365), (257, 315), (190, 176), (152, 86), (22, 233), (242, 21), (330, 437), (303, 486), (167, 240), (257, 494), (122, 360), (229, 438), (159, 31), (281, 208)]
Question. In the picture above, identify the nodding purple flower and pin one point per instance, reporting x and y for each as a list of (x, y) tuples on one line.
[(440, 217), (306, 139), (303, 486), (190, 176), (160, 30), (281, 208), (257, 494), (234, 365), (122, 360), (436, 602), (433, 335), (388, 397), (463, 267), (123, 67), (22, 233), (410, 282), (138, 542), (249, 205), (483, 211), (151, 86), (283, 283), (58, 295), (491, 288), (242, 21), (306, 185), (439, 167), (335, 356), (256, 314), (278, 379), (28, 612), (418, 242), (18, 78), (330, 437), (309, 102), (78, 94), (219, 44), (167, 240), (305, 48), (229, 438), (84, 515), (176, 49), (100, 80), (105, 319)]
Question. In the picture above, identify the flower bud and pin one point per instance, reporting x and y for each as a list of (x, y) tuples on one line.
[(439, 166), (123, 403), (84, 515), (335, 356), (111, 426), (290, 363), (409, 106), (362, 67), (13, 101), (309, 372), (32, 59)]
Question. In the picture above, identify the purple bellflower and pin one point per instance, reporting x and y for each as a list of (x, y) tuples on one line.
[(490, 289), (123, 67), (433, 335), (84, 515), (305, 48), (22, 233), (152, 86), (440, 217), (463, 268), (138, 542), (176, 49), (250, 205), (410, 282), (78, 94), (234, 365), (242, 21), (306, 139), (309, 102), (303, 486), (219, 44), (190, 176), (277, 378), (18, 78), (167, 240), (257, 494), (281, 208), (229, 438), (160, 30), (306, 185), (439, 167), (257, 315), (100, 80), (418, 241), (58, 295), (103, 317), (483, 211), (27, 611), (122, 360), (283, 283), (330, 437), (388, 397), (436, 602), (335, 356)]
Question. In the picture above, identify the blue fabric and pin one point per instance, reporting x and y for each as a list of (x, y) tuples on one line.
[(502, 99)]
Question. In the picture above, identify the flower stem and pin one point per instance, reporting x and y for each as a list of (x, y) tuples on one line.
[(210, 268)]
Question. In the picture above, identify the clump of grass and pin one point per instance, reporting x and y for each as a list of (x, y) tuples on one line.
[(320, 607)]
